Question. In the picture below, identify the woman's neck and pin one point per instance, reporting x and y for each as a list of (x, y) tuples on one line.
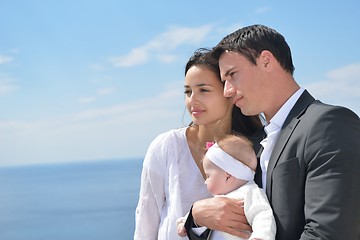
[(197, 136)]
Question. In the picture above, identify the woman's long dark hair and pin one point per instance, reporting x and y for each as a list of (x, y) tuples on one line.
[(245, 125)]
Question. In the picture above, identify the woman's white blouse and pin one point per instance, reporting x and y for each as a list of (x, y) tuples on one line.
[(170, 183)]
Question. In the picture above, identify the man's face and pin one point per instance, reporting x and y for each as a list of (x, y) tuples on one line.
[(244, 82)]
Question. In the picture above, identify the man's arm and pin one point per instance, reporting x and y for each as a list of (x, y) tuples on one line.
[(222, 214), (332, 193)]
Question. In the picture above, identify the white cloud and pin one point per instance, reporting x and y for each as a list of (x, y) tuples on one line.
[(97, 67), (341, 87), (5, 59), (166, 58), (163, 45), (162, 100), (223, 31), (6, 88), (87, 99), (137, 56), (179, 36), (14, 50), (102, 92), (7, 84), (262, 10), (119, 131), (348, 73), (105, 91)]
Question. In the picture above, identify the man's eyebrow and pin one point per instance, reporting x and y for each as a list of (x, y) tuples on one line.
[(227, 73)]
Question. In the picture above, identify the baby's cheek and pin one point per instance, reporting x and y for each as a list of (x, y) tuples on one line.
[(210, 186)]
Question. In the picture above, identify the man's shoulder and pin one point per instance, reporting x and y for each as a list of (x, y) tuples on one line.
[(320, 109)]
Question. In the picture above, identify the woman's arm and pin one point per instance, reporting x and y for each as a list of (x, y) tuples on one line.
[(152, 194)]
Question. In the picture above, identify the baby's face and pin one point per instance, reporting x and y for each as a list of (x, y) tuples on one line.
[(215, 177)]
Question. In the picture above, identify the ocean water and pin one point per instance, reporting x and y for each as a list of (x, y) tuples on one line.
[(78, 201)]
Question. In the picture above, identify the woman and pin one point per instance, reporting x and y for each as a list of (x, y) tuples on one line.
[(172, 176)]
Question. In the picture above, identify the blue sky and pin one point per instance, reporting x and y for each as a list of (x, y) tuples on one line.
[(91, 80)]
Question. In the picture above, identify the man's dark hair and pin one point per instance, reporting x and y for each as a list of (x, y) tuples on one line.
[(250, 41)]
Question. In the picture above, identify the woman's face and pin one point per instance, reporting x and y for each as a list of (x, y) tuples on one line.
[(204, 97)]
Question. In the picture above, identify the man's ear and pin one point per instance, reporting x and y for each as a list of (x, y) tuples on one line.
[(266, 60)]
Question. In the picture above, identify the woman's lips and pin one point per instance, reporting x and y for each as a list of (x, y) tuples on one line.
[(196, 112)]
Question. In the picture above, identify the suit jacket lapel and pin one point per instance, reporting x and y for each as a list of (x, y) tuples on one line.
[(258, 150), (291, 121)]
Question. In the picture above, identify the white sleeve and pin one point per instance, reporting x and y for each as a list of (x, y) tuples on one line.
[(152, 193), (259, 214)]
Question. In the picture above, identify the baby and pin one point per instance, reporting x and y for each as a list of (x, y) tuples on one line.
[(230, 166)]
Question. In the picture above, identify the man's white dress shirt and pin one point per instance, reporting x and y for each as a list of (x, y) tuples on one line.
[(272, 130)]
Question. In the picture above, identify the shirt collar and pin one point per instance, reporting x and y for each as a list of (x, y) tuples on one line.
[(279, 118)]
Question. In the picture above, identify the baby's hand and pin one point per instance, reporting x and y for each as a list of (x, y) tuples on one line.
[(181, 227)]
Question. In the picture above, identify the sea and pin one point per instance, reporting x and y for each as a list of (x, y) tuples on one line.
[(90, 200)]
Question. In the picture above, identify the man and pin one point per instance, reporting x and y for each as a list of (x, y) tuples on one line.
[(311, 158)]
